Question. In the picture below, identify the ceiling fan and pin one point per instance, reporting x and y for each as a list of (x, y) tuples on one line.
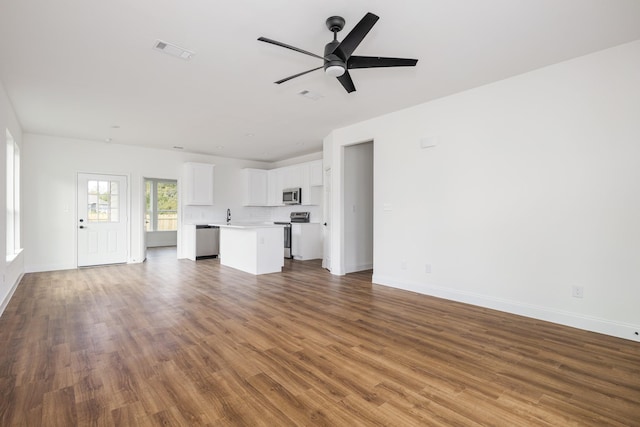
[(338, 58)]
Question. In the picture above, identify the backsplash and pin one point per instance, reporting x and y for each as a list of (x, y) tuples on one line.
[(210, 214), (281, 213)]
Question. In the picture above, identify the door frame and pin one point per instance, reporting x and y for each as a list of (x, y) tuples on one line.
[(326, 245), (347, 242)]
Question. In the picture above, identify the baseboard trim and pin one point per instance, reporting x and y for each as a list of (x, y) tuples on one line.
[(6, 300), (566, 318), (355, 268), (51, 267)]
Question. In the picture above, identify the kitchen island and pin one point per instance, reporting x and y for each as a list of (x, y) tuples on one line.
[(255, 248)]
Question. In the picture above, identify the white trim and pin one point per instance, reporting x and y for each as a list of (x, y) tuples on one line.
[(6, 300), (49, 267), (360, 267), (13, 256), (575, 320)]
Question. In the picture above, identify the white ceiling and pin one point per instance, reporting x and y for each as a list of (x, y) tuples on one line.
[(86, 68)]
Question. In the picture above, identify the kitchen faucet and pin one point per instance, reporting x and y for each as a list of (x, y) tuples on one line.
[(228, 216)]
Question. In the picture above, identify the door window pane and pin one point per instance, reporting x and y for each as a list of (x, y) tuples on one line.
[(103, 201), (103, 187), (92, 187)]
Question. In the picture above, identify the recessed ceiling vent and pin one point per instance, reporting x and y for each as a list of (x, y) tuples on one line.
[(173, 50)]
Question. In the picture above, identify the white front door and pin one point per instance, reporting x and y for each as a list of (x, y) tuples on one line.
[(102, 219)]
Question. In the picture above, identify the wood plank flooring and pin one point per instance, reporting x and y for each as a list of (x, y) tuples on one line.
[(187, 343)]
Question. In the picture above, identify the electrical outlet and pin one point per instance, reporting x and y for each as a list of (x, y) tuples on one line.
[(577, 291)]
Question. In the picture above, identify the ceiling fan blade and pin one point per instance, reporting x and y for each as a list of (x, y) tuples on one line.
[(346, 82), (298, 75), (353, 39), (377, 61), (266, 40)]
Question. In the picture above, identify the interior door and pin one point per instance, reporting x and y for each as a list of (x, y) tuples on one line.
[(326, 258), (102, 219)]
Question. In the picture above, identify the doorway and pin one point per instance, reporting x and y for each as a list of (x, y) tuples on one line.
[(102, 219), (358, 207), (161, 214)]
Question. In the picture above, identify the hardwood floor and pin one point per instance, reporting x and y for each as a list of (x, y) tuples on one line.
[(177, 343)]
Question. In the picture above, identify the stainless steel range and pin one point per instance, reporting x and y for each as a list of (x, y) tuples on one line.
[(293, 217)]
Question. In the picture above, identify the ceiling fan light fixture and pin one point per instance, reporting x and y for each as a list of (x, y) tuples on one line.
[(338, 55), (335, 70)]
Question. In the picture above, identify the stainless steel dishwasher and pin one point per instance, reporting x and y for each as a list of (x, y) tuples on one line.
[(207, 241)]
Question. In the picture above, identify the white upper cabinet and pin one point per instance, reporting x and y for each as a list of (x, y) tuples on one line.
[(198, 183), (275, 186), (306, 184), (315, 173), (293, 176), (255, 187), (264, 187)]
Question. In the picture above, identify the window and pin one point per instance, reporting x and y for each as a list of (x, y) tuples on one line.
[(161, 205), (13, 197), (103, 201)]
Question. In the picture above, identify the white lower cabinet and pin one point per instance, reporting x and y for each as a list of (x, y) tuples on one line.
[(306, 241)]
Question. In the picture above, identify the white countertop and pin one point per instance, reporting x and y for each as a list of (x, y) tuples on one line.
[(247, 225)]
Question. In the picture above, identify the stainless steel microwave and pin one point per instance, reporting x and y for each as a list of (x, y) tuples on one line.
[(292, 196)]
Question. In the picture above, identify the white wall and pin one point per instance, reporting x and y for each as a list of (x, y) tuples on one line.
[(161, 238), (533, 187), (13, 270), (50, 167), (358, 207)]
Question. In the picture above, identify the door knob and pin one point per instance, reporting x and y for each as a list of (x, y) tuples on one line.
[(81, 220), (82, 226), (325, 224)]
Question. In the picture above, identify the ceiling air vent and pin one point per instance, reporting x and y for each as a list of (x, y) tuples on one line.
[(173, 50)]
